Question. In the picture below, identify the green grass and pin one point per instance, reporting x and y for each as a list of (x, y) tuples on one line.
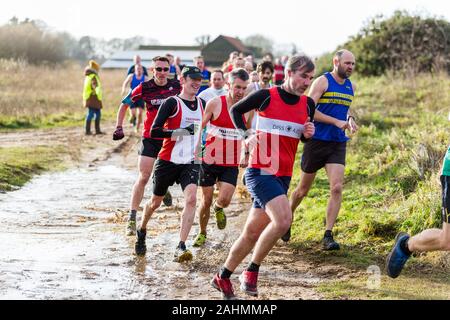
[(391, 177), (18, 165)]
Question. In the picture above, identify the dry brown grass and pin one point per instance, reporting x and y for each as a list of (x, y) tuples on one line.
[(36, 92)]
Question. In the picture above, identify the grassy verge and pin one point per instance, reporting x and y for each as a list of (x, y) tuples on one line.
[(391, 183), (43, 96), (18, 165)]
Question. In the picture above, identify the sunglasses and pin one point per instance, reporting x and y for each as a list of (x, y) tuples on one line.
[(159, 69)]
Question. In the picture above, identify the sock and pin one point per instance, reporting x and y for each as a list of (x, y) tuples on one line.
[(404, 247), (225, 273), (182, 245), (253, 267), (132, 215), (328, 234), (216, 207)]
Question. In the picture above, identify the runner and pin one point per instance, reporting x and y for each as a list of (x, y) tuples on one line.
[(153, 92), (222, 154), (427, 240), (131, 82), (265, 72), (333, 93), (217, 89), (137, 61), (178, 121), (200, 63), (270, 169)]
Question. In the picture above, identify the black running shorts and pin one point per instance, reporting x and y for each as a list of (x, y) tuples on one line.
[(167, 173), (150, 147), (211, 173), (317, 153)]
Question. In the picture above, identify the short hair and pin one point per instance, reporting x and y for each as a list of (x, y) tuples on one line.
[(198, 57), (339, 53), (239, 73), (169, 55), (298, 62), (218, 71), (265, 65), (161, 58)]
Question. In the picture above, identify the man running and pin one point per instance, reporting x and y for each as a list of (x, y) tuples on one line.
[(131, 82), (217, 89), (200, 63), (137, 61), (284, 119), (178, 121), (222, 154), (333, 93), (427, 240), (265, 72), (153, 92)]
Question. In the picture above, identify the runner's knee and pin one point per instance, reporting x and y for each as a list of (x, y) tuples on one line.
[(300, 193), (191, 201), (155, 203), (223, 201), (336, 189), (144, 177)]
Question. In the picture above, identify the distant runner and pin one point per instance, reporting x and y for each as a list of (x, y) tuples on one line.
[(222, 154)]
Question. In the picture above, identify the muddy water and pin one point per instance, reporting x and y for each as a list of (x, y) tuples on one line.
[(62, 237)]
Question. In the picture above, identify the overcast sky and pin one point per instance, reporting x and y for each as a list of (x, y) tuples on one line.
[(315, 26)]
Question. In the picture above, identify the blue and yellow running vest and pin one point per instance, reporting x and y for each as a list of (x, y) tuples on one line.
[(335, 103)]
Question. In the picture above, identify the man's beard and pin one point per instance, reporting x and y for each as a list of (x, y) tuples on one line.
[(341, 73)]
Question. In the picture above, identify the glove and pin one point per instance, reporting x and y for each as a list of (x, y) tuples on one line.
[(118, 133), (188, 131)]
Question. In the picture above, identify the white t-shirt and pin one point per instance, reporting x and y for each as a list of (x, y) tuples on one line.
[(211, 93)]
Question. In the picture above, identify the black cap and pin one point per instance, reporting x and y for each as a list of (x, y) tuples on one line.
[(192, 72)]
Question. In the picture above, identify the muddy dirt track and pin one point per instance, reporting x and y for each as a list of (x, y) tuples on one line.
[(62, 235)]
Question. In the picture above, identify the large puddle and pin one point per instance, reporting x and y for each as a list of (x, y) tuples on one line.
[(62, 237)]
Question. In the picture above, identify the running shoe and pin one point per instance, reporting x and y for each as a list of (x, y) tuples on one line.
[(329, 244), (287, 236), (182, 255), (223, 285), (397, 257), (221, 218), (167, 199), (131, 228), (140, 247), (200, 240), (248, 280)]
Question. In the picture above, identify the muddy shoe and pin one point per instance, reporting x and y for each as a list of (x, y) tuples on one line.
[(249, 280), (329, 244), (200, 240), (221, 218), (131, 228), (140, 247), (223, 285), (182, 255), (397, 257), (167, 200), (287, 236)]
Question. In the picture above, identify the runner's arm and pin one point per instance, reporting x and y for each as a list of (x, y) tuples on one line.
[(211, 106), (167, 109), (136, 94), (258, 100), (126, 84), (311, 113)]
